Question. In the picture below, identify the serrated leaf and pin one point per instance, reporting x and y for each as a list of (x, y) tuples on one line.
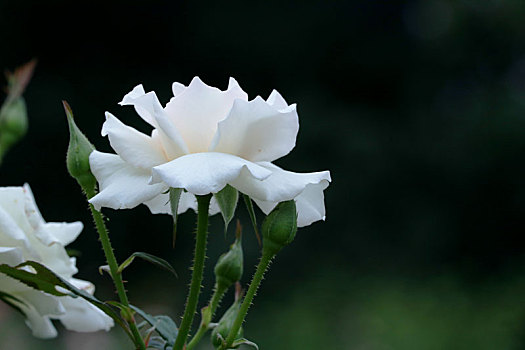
[(227, 200), (155, 260), (164, 325), (46, 280), (244, 341), (251, 212)]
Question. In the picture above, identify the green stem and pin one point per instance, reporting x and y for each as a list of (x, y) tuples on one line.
[(218, 293), (254, 285), (203, 203), (113, 267)]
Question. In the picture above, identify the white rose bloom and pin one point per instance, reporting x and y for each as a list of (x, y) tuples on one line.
[(24, 235), (201, 141)]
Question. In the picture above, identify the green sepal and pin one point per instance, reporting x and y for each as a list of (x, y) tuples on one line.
[(174, 194), (279, 227), (164, 325), (251, 213), (45, 280), (155, 260), (227, 200)]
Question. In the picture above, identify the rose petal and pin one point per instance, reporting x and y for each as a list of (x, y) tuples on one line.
[(80, 315), (131, 145), (280, 186), (41, 326), (121, 185), (196, 111), (143, 107), (149, 108), (12, 234), (309, 204), (257, 131), (10, 256), (13, 201), (31, 209), (203, 173), (55, 258), (276, 100), (59, 232), (177, 88)]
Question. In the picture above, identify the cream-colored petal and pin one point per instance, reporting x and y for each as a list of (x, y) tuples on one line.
[(149, 108), (131, 145), (280, 186), (196, 111), (276, 100), (203, 173), (58, 232), (257, 131), (309, 204), (121, 185)]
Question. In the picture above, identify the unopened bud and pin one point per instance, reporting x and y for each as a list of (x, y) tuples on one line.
[(220, 333), (279, 227), (229, 267), (78, 152), (13, 122)]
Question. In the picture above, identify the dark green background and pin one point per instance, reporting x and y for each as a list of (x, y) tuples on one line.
[(417, 108)]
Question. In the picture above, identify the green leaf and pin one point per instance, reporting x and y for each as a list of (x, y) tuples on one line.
[(12, 301), (164, 325), (244, 341), (175, 194), (227, 201), (155, 260), (251, 212), (43, 279)]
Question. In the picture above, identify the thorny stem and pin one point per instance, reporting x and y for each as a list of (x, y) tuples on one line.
[(113, 267), (203, 203), (254, 285), (218, 293)]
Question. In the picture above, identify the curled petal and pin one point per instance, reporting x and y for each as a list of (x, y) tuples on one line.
[(59, 232), (281, 185), (122, 186), (149, 108), (309, 204), (203, 173), (197, 109), (131, 145), (40, 325), (145, 107), (257, 131)]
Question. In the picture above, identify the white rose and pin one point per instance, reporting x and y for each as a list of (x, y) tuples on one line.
[(201, 141), (24, 235)]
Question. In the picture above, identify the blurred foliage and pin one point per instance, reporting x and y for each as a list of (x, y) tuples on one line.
[(417, 108)]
